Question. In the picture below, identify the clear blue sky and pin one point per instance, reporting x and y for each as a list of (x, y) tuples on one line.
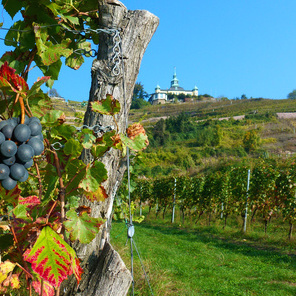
[(225, 48)]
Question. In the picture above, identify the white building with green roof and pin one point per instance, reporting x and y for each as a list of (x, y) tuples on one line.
[(161, 95)]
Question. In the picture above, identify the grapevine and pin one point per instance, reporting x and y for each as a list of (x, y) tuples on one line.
[(41, 187)]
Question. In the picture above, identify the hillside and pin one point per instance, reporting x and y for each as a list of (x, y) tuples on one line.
[(190, 137)]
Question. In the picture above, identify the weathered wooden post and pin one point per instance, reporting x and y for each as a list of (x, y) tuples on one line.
[(104, 271)]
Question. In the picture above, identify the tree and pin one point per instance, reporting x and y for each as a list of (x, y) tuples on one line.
[(139, 92), (53, 93), (292, 95), (139, 97)]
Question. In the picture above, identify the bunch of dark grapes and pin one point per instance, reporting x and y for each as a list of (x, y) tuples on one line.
[(19, 143)]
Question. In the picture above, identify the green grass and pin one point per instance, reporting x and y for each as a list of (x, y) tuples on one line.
[(205, 260)]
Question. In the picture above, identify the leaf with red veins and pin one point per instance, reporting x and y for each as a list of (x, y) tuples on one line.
[(52, 258), (30, 201), (10, 196), (48, 289)]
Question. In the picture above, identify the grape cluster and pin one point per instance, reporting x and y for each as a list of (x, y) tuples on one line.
[(19, 143)]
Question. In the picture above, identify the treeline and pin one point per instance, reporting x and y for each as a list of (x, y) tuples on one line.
[(223, 192)]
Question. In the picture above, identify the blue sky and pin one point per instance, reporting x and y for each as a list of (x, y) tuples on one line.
[(225, 48)]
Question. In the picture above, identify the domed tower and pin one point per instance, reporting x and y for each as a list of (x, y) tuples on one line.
[(195, 91), (157, 89), (175, 81)]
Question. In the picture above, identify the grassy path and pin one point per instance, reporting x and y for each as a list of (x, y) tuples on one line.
[(195, 262)]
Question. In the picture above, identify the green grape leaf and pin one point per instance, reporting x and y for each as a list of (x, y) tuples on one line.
[(12, 6), (73, 147), (82, 227), (52, 70), (14, 34), (108, 106), (52, 184), (20, 212), (48, 52), (88, 141), (72, 202), (52, 258), (99, 150), (95, 175), (72, 19), (137, 144), (64, 130), (74, 61), (51, 117), (75, 170)]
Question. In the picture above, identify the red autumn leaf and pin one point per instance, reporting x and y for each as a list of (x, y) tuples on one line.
[(30, 201), (16, 82)]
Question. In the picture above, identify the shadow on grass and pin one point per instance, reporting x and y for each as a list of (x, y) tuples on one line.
[(268, 254)]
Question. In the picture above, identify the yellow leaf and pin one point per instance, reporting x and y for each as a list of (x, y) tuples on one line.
[(15, 282), (5, 268)]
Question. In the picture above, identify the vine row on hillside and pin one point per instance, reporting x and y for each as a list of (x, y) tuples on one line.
[(223, 192)]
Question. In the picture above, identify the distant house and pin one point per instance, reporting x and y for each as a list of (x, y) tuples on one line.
[(161, 95)]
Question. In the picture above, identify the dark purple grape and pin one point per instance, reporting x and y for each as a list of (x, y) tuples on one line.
[(8, 183), (8, 161), (25, 153), (8, 149), (39, 137), (37, 146), (22, 133), (26, 119), (12, 121), (2, 138), (25, 177), (28, 164), (3, 123), (4, 171), (17, 171), (7, 131), (36, 128), (31, 119)]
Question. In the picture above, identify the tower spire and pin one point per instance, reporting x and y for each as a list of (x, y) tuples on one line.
[(175, 81)]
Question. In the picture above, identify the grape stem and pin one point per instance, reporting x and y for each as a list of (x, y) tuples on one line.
[(39, 179), (22, 105), (23, 112)]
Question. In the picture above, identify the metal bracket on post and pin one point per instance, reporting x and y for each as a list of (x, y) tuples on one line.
[(130, 231)]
